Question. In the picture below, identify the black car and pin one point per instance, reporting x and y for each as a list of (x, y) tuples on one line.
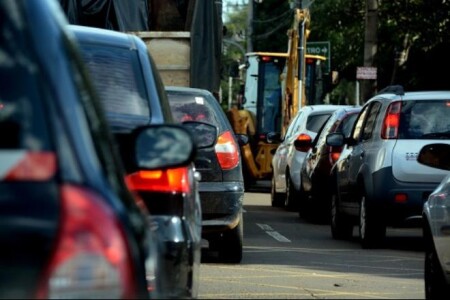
[(221, 185), (315, 182), (132, 93), (69, 226)]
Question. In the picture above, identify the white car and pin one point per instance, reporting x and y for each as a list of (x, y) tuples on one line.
[(436, 224), (287, 161)]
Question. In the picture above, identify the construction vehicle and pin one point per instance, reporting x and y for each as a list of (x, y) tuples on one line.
[(277, 85)]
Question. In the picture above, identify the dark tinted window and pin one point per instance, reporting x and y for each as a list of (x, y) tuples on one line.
[(315, 122), (370, 123), (22, 93), (190, 107), (118, 80), (347, 124), (425, 119)]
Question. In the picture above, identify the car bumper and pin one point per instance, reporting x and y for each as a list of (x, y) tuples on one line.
[(408, 211), (179, 256), (221, 205)]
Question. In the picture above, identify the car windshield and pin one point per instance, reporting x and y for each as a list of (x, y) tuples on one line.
[(425, 120)]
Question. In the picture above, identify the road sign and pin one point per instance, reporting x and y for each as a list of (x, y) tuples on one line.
[(320, 48), (366, 73)]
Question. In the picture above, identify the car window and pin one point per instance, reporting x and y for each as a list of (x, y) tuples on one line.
[(370, 123), (347, 123), (424, 119), (191, 107), (115, 76), (315, 122), (22, 111), (357, 129)]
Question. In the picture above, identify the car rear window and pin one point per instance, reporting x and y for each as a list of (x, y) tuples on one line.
[(115, 73), (22, 111), (425, 120), (189, 107), (315, 122)]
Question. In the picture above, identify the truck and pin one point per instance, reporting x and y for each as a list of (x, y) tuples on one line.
[(277, 85), (177, 32)]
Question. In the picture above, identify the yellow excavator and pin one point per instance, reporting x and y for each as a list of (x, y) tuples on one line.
[(277, 85)]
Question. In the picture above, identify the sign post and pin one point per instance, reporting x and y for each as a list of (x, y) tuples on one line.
[(364, 73)]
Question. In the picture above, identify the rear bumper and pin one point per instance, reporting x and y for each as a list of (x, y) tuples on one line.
[(179, 255), (386, 188), (221, 205)]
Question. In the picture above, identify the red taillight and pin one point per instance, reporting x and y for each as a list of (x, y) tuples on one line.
[(167, 181), (91, 257), (21, 165), (391, 121), (227, 151), (401, 198), (335, 152)]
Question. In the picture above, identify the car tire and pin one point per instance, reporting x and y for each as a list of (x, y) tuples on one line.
[(232, 244), (341, 228), (277, 199), (371, 230), (435, 283), (291, 200)]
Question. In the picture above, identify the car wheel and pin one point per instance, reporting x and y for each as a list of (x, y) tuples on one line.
[(435, 283), (232, 244), (341, 228), (371, 231), (277, 199), (291, 195)]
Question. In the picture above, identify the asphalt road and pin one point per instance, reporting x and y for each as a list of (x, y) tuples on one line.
[(287, 257)]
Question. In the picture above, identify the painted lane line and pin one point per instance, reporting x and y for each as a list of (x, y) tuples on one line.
[(273, 233)]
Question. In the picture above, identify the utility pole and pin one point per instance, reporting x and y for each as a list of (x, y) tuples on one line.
[(250, 15), (368, 87)]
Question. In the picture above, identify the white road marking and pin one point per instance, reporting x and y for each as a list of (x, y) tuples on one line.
[(273, 233)]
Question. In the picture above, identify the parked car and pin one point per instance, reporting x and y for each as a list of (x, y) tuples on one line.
[(436, 224), (132, 93), (315, 170), (70, 228), (378, 181), (222, 184), (287, 161)]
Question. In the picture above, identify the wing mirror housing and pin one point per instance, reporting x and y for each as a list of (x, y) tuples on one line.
[(162, 146), (273, 137), (335, 139), (204, 134)]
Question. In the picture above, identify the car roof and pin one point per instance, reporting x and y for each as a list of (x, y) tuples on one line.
[(416, 95), (187, 90), (104, 36)]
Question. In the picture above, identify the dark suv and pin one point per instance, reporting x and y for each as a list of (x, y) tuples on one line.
[(378, 181), (69, 226), (132, 93)]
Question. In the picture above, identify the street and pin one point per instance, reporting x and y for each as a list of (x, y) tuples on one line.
[(287, 257)]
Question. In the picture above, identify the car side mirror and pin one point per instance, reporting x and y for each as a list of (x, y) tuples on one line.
[(242, 139), (204, 134), (335, 139), (162, 146), (435, 156), (273, 137)]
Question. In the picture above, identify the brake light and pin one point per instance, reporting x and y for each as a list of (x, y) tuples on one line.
[(391, 121), (227, 151), (401, 198), (304, 137), (335, 152), (22, 165), (170, 180), (91, 257)]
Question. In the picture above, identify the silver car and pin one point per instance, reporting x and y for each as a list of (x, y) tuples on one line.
[(287, 161), (378, 181), (436, 224)]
